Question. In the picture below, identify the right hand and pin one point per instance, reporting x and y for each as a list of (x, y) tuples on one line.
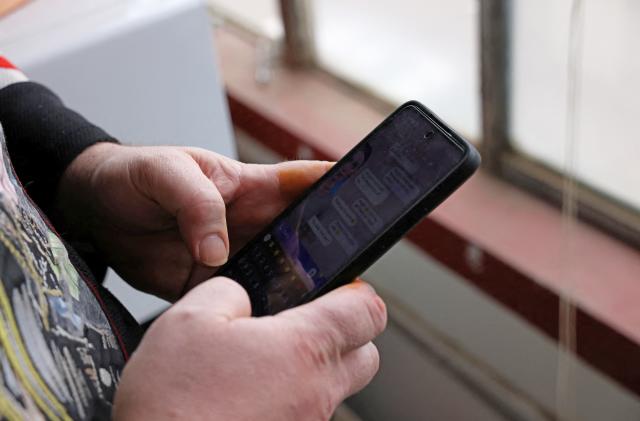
[(206, 358)]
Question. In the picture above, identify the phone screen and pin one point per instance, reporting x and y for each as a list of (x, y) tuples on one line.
[(360, 198)]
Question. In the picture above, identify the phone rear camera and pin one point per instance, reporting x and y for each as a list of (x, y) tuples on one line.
[(429, 135)]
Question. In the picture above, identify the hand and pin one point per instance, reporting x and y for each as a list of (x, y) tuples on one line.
[(165, 217), (206, 358)]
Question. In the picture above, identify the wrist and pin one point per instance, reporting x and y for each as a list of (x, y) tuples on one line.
[(78, 189)]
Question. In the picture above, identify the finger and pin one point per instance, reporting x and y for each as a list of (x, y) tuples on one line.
[(343, 320), (294, 177), (264, 191), (178, 184), (286, 179), (360, 366), (223, 297)]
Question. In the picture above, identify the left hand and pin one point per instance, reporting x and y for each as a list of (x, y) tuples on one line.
[(165, 217)]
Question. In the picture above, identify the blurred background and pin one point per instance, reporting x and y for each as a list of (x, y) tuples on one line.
[(518, 299)]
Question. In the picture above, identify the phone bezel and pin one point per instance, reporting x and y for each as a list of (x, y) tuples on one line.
[(469, 162)]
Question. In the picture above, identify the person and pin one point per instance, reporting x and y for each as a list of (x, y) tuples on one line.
[(73, 200)]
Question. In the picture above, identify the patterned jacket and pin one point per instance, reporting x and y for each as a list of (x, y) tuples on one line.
[(63, 338)]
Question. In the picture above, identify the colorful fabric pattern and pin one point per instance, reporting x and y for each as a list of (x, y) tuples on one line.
[(59, 358)]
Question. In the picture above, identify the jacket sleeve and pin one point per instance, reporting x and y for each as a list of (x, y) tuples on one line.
[(43, 136)]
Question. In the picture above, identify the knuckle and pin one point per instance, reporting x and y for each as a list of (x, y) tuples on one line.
[(377, 312), (330, 317), (183, 317), (313, 350), (338, 329), (157, 158), (143, 171), (149, 165), (197, 150), (216, 206)]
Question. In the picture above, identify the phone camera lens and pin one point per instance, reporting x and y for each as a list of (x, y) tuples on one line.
[(429, 135)]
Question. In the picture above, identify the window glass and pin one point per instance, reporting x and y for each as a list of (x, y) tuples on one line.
[(415, 49), (607, 131)]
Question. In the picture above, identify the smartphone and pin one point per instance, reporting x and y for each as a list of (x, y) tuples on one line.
[(344, 222)]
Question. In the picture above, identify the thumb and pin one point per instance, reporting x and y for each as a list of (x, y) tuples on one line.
[(180, 187), (225, 298)]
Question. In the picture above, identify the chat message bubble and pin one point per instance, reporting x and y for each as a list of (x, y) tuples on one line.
[(343, 209), (343, 236), (367, 215), (319, 230), (401, 185), (372, 188), (402, 156)]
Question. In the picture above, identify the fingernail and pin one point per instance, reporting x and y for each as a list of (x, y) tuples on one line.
[(213, 251), (359, 283)]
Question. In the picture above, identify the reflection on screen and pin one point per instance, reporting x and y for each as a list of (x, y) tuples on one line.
[(361, 198)]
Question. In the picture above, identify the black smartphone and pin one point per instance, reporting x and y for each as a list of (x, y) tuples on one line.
[(344, 222)]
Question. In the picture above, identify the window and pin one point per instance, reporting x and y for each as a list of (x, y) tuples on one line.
[(608, 130), (424, 50)]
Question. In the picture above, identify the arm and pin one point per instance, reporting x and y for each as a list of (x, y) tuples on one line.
[(43, 136)]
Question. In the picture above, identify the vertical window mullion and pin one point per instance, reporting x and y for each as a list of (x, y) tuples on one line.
[(494, 82), (298, 33)]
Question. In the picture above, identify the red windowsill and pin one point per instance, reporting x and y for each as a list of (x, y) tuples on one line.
[(526, 259)]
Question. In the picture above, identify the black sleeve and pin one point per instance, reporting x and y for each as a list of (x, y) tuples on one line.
[(43, 137)]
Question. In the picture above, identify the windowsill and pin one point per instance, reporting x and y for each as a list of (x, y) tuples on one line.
[(526, 260)]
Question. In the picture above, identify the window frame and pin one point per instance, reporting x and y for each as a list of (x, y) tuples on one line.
[(593, 206)]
